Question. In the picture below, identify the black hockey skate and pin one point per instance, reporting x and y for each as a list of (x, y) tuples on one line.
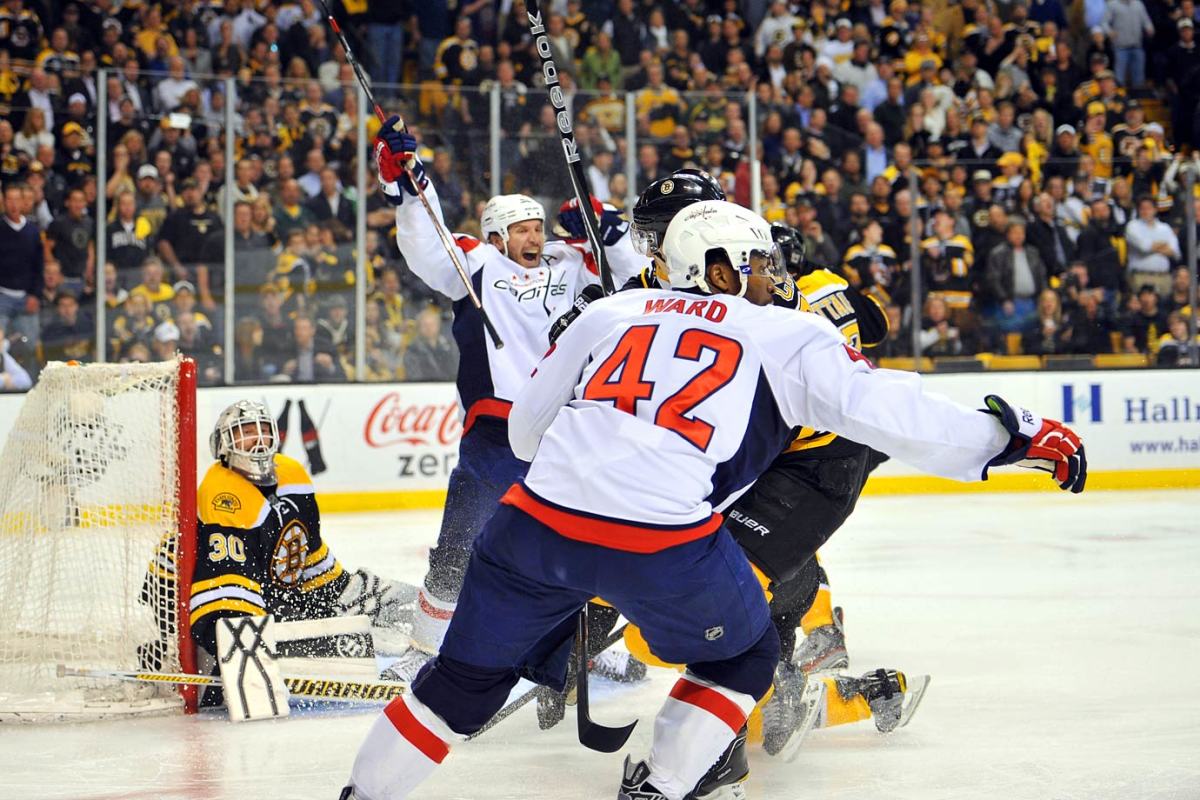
[(892, 696), (723, 781)]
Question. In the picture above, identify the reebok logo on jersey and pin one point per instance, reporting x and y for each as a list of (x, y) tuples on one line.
[(714, 633)]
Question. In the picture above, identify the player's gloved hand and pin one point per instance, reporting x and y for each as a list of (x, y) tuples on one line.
[(590, 292), (612, 225), (1039, 444), (395, 154)]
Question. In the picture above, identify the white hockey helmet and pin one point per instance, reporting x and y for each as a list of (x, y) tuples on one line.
[(508, 209), (743, 237), (245, 439)]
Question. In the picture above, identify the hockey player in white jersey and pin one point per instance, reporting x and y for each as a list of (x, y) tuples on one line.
[(653, 409), (524, 283)]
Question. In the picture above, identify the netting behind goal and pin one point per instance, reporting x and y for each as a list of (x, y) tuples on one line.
[(97, 479)]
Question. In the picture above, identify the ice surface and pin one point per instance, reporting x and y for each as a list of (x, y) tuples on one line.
[(1062, 633)]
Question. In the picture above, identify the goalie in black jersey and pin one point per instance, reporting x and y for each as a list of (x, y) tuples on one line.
[(260, 550)]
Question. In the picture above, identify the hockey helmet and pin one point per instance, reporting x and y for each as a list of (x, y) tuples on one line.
[(742, 236), (504, 210), (663, 199), (245, 439), (791, 245)]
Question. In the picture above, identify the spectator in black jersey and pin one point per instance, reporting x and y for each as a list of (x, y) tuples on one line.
[(186, 232), (70, 332)]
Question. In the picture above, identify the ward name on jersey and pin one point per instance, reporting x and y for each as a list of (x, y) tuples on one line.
[(522, 303), (731, 382)]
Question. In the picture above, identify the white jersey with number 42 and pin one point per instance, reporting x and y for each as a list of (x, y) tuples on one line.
[(656, 407)]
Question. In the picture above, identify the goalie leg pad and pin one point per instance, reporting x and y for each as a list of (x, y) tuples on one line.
[(388, 603), (253, 685)]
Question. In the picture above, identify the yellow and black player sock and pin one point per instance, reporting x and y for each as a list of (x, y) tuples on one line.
[(820, 613)]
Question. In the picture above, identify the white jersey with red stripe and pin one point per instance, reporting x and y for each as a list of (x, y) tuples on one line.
[(522, 303), (656, 408)]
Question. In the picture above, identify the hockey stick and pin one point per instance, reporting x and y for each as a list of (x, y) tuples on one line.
[(524, 700), (583, 195), (442, 234), (314, 688), (593, 735)]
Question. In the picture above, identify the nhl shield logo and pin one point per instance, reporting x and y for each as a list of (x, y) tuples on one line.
[(714, 633), (667, 187)]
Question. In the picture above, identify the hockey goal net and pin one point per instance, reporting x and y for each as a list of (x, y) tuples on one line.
[(97, 518)]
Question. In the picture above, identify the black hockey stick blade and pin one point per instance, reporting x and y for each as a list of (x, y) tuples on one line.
[(593, 735)]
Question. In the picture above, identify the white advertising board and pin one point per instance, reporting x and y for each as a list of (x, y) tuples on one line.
[(393, 445)]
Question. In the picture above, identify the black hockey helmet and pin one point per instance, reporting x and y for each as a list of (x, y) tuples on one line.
[(663, 199), (791, 243)]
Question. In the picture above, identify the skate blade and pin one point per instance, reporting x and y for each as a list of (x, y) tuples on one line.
[(812, 702), (915, 691)]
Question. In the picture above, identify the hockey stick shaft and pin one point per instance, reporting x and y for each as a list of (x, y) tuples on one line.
[(593, 735), (312, 688), (447, 242), (525, 699), (583, 194)]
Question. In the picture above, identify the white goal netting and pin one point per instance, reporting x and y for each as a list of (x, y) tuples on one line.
[(89, 481)]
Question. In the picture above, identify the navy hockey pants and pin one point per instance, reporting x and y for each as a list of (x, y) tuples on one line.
[(697, 604), (486, 469)]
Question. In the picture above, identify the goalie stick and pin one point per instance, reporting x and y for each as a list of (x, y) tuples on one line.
[(583, 195), (442, 234), (311, 688)]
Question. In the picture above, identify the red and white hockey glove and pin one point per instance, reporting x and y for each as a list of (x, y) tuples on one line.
[(396, 150), (1039, 444)]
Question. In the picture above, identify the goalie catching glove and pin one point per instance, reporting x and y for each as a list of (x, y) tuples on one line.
[(395, 156), (1039, 444)]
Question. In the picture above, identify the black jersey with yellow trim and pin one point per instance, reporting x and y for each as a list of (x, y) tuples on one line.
[(259, 551), (860, 319)]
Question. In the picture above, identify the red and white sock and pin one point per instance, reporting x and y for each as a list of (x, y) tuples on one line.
[(431, 620), (402, 749), (694, 727)]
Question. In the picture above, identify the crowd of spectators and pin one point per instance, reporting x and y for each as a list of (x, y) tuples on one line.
[(1028, 153)]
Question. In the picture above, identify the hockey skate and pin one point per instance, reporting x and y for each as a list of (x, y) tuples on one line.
[(406, 666), (723, 781), (892, 696), (726, 778), (824, 649), (792, 711), (618, 665)]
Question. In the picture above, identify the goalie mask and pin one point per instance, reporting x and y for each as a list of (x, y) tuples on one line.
[(246, 440), (740, 235)]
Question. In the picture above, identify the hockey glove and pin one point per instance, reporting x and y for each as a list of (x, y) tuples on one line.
[(612, 225), (585, 298), (396, 149), (1039, 444)]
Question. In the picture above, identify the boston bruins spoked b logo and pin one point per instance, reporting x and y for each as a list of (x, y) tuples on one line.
[(287, 563), (667, 187)]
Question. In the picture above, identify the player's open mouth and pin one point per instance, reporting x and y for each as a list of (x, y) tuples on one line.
[(530, 256)]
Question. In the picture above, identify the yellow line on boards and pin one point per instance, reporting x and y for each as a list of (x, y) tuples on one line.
[(335, 502)]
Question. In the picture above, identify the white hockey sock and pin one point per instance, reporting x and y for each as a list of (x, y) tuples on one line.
[(431, 620), (694, 727), (402, 749)]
